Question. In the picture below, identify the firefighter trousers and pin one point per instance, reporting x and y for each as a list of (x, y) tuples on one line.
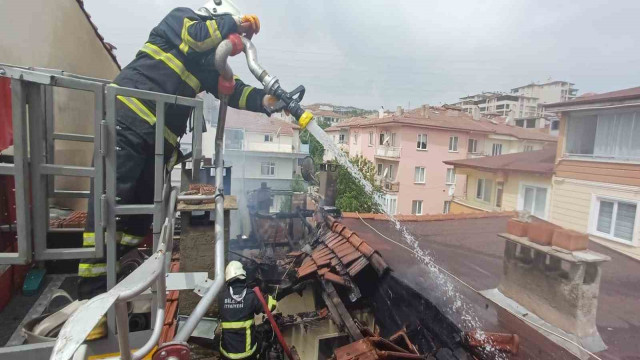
[(135, 163)]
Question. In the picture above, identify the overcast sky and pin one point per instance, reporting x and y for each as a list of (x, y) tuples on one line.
[(369, 53)]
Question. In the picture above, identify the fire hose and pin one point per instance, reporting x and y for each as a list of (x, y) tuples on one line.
[(274, 326)]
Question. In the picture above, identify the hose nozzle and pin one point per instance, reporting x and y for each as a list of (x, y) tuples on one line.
[(305, 119)]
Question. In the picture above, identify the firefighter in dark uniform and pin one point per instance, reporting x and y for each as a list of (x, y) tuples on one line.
[(178, 59), (238, 306)]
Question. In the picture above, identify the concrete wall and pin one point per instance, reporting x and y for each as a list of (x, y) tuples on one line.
[(56, 34)]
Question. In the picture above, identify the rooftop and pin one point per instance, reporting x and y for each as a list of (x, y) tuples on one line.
[(107, 46), (255, 122), (540, 162), (547, 83), (449, 119), (613, 96), (470, 249)]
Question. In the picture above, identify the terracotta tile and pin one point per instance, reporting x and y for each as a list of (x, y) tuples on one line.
[(355, 240), (307, 271), (366, 249), (351, 257), (357, 266), (334, 278)]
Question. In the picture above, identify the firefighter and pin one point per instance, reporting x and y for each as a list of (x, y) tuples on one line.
[(238, 306), (177, 59)]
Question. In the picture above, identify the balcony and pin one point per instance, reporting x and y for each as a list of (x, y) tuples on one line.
[(475, 155), (390, 186), (390, 152)]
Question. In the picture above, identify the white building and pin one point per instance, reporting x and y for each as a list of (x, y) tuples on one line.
[(258, 149)]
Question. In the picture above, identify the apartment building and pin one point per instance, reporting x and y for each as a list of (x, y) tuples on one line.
[(259, 149), (526, 104), (596, 186), (408, 150)]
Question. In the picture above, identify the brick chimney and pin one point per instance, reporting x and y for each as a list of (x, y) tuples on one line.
[(399, 111), (424, 111)]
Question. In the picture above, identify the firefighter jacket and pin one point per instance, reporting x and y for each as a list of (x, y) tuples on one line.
[(238, 306), (178, 59)]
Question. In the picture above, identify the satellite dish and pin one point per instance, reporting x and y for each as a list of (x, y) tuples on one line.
[(308, 168)]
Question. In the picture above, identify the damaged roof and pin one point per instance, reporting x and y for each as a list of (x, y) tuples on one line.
[(339, 254), (107, 46)]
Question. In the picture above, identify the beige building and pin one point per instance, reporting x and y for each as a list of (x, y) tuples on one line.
[(596, 187), (520, 181), (60, 35)]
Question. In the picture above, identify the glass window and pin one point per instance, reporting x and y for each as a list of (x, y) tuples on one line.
[(268, 169), (422, 142), (419, 175), (381, 142), (607, 135), (496, 150), (535, 200), (484, 188), (473, 146), (355, 139), (416, 207), (453, 143), (447, 207), (451, 176), (341, 138), (616, 219), (528, 148), (380, 167), (268, 137), (371, 138), (390, 173)]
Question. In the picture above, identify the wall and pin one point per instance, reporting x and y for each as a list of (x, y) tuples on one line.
[(512, 198), (57, 35), (472, 185), (572, 202), (255, 141), (599, 171)]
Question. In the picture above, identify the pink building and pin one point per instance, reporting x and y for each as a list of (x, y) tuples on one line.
[(409, 149)]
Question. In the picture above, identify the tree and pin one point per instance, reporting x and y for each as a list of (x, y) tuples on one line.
[(351, 195), (297, 185)]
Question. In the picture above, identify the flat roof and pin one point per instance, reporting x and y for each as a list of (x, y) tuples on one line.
[(470, 249)]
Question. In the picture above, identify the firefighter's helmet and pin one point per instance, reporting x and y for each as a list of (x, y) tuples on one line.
[(234, 271), (219, 7)]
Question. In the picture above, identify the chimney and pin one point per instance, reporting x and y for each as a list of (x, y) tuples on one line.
[(424, 111), (381, 112), (399, 111), (475, 112)]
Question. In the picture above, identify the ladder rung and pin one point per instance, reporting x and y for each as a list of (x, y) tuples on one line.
[(67, 170)]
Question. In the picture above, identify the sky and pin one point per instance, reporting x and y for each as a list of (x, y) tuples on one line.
[(372, 53)]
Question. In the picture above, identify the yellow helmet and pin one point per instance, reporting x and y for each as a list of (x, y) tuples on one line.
[(234, 270)]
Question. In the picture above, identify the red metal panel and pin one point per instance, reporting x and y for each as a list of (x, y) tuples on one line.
[(6, 126)]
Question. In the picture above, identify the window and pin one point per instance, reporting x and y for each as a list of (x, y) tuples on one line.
[(233, 139), (528, 148), (606, 135), (393, 139), (453, 144), (355, 139), (534, 200), (381, 139), (370, 138), (530, 123), (616, 219), (447, 207), (418, 176), (268, 169), (341, 138), (416, 207), (380, 167), (422, 142), (483, 189), (555, 125), (496, 150), (390, 172), (451, 176), (473, 146), (268, 137), (391, 205)]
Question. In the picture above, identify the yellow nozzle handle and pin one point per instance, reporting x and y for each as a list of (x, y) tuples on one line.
[(305, 119)]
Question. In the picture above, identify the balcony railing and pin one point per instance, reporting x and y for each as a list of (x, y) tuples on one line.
[(475, 155), (391, 186), (388, 151)]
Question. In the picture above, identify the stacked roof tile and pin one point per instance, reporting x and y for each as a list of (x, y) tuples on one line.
[(340, 254)]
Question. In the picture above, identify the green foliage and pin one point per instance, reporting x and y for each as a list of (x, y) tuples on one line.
[(351, 195), (297, 185)]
